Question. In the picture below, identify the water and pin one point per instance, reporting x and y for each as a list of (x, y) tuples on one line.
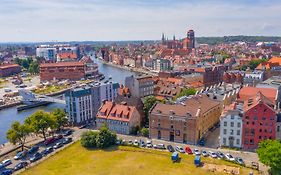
[(9, 115)]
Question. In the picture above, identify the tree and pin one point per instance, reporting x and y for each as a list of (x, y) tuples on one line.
[(33, 67), (89, 139), (105, 137), (59, 117), (269, 153), (40, 122), (18, 133), (145, 132), (147, 105)]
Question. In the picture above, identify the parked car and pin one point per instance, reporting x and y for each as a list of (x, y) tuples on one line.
[(69, 139), (49, 141), (180, 149), (47, 151), (33, 149), (160, 146), (229, 157), (20, 165), (170, 148), (136, 143), (67, 132), (213, 154), (196, 152), (142, 143), (35, 157), (6, 162), (7, 172), (149, 144), (188, 150), (58, 145), (130, 142), (20, 155), (220, 155), (240, 161), (204, 153), (58, 137), (175, 156)]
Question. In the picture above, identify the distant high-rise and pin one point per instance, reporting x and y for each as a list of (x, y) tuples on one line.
[(191, 37)]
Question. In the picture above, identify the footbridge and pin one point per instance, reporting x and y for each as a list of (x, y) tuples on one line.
[(28, 97)]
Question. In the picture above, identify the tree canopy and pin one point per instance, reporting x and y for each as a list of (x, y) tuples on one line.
[(269, 153), (18, 133), (147, 105), (40, 122), (59, 116), (186, 92)]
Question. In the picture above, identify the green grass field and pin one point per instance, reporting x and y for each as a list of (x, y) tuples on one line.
[(121, 160)]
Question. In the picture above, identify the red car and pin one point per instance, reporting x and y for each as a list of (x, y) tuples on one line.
[(58, 137), (188, 150), (49, 141)]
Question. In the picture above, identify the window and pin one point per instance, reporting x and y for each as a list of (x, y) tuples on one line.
[(260, 130), (238, 141), (255, 117), (278, 128), (252, 141), (239, 124), (263, 118), (238, 132), (232, 117), (224, 131), (232, 124), (247, 117), (259, 137), (271, 118), (231, 132), (224, 123), (224, 141)]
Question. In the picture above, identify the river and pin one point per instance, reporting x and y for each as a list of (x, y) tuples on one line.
[(9, 115)]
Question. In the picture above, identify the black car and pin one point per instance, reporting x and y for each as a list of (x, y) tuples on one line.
[(67, 140), (220, 155), (33, 149), (83, 126), (20, 165), (47, 151), (67, 133), (170, 148), (35, 157)]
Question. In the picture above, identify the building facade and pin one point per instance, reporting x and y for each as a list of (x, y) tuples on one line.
[(140, 86), (259, 121), (161, 64), (186, 122), (231, 127), (9, 69), (62, 71), (99, 92), (48, 53), (119, 118), (79, 105)]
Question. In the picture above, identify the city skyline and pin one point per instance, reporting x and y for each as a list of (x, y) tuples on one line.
[(95, 20)]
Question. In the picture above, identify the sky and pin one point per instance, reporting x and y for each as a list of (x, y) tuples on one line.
[(112, 20)]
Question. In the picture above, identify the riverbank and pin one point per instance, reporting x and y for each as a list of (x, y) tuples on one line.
[(133, 69)]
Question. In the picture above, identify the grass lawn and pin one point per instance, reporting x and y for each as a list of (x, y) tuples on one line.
[(120, 160), (50, 89)]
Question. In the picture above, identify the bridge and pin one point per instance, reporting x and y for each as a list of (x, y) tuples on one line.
[(28, 97)]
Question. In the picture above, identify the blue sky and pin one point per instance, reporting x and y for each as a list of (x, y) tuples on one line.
[(68, 20)]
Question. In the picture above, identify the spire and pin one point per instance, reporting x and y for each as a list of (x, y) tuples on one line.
[(174, 38), (163, 37)]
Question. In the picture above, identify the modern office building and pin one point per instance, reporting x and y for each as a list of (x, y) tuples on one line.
[(99, 92), (161, 64), (47, 52)]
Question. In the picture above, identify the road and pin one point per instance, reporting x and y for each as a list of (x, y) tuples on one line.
[(248, 157)]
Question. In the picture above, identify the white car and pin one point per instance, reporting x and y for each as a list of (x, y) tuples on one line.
[(204, 153), (136, 143), (130, 142), (6, 162), (196, 152), (180, 149), (212, 154), (149, 144), (229, 157)]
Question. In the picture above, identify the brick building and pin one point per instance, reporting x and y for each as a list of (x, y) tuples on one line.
[(187, 122), (259, 121), (62, 70), (9, 69)]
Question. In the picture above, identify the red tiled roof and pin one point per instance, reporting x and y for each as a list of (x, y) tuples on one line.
[(8, 66), (67, 55), (246, 92)]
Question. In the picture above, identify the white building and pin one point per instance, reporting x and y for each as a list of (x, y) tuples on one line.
[(253, 78), (49, 53), (231, 127)]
